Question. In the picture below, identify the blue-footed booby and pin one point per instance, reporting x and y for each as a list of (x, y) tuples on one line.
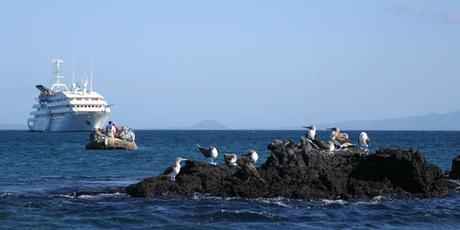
[(320, 144), (325, 145), (175, 169), (230, 159), (311, 133), (210, 152), (364, 141)]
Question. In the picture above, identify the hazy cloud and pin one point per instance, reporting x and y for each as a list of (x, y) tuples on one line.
[(416, 10), (448, 18)]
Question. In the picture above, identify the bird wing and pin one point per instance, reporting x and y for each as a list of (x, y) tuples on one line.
[(206, 152), (168, 171), (313, 143), (322, 144), (342, 139), (368, 140)]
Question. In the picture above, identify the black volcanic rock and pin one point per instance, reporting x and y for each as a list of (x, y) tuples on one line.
[(455, 171), (298, 171)]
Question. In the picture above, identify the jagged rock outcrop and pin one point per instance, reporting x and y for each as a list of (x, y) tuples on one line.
[(455, 170), (299, 171)]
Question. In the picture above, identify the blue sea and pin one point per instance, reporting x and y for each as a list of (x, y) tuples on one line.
[(49, 180)]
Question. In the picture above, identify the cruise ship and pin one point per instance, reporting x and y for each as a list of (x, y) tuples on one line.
[(60, 109)]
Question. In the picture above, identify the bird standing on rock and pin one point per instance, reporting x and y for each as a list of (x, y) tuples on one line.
[(364, 141), (311, 133), (340, 139), (252, 154), (230, 159), (210, 152), (317, 144), (172, 172), (326, 145)]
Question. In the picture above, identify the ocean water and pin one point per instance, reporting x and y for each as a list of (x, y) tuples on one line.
[(49, 180)]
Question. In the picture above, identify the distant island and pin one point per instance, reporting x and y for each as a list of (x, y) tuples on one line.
[(202, 125), (447, 121), (207, 125)]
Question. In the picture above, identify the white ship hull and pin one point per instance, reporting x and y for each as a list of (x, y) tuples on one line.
[(71, 122), (61, 109)]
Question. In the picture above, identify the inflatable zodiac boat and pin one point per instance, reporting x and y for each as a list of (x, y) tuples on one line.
[(111, 143)]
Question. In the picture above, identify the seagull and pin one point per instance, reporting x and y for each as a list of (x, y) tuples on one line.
[(252, 154), (340, 139), (230, 159), (171, 172), (364, 141), (210, 152), (311, 133)]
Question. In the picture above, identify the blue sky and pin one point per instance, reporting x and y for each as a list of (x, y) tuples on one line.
[(247, 64)]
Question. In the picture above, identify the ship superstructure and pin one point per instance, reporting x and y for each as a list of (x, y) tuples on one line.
[(62, 109)]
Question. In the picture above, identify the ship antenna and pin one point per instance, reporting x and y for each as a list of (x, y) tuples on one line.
[(57, 73)]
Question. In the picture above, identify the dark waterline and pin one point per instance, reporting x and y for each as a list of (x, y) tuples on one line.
[(40, 173)]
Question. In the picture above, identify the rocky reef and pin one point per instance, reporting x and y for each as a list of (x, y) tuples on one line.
[(455, 170), (302, 172)]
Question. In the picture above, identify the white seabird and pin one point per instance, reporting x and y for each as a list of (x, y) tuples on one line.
[(252, 154), (364, 141), (210, 152), (311, 133), (174, 170), (230, 159)]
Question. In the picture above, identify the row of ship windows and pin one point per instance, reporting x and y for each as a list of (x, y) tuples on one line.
[(74, 106), (51, 115), (87, 106), (59, 107), (62, 114), (57, 114), (57, 100), (86, 99), (74, 99)]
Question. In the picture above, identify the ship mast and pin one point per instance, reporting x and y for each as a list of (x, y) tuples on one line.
[(58, 86), (57, 73)]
